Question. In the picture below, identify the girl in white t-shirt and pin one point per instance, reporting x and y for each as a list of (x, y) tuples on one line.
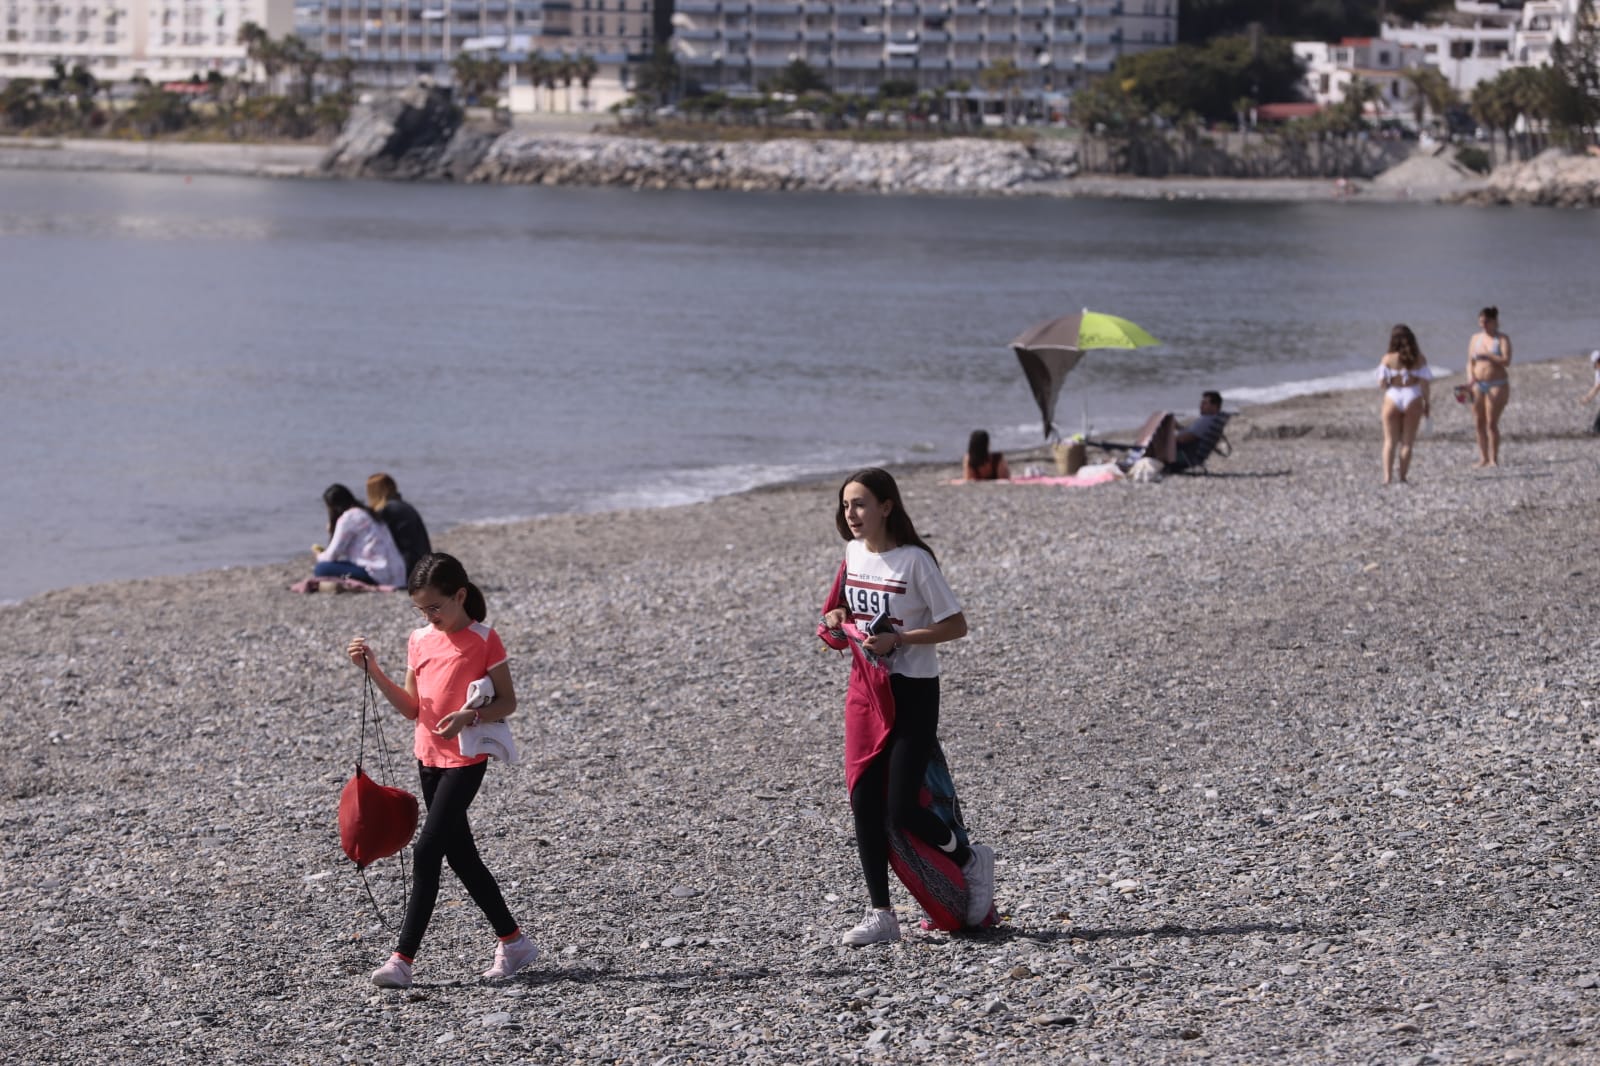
[(359, 544), (890, 571)]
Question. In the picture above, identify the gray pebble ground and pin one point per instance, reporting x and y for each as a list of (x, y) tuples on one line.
[(1280, 765)]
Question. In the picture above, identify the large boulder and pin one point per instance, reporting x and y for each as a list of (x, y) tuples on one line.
[(405, 135), (1551, 179)]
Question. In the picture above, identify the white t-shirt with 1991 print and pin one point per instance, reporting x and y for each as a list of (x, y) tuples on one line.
[(908, 582)]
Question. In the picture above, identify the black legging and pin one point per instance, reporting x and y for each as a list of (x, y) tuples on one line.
[(446, 835), (903, 763)]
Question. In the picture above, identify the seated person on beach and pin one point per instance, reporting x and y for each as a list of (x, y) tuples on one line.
[(1197, 440), (404, 523), (980, 464), (359, 546)]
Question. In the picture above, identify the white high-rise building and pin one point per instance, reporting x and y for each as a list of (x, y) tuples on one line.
[(856, 45), (118, 40)]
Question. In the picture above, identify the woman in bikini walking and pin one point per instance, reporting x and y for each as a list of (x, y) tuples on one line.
[(1488, 374), (1404, 376)]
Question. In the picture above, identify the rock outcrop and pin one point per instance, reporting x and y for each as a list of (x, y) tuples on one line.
[(404, 136), (1550, 179), (418, 135)]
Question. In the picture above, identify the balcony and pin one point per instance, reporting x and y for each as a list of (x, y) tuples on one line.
[(859, 37), (698, 7), (1101, 9), (857, 9), (768, 8)]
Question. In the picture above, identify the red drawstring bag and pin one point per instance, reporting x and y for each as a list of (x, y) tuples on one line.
[(375, 821)]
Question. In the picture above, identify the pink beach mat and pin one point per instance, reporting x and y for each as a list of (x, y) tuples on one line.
[(339, 584), (1076, 481)]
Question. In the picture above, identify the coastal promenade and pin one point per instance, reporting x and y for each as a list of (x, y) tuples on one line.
[(1280, 765)]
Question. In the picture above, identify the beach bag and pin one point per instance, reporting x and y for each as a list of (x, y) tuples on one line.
[(375, 821), (1594, 427)]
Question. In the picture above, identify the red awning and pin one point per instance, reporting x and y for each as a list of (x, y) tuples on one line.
[(1285, 112)]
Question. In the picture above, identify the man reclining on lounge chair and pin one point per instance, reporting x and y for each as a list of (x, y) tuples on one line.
[(1176, 448), (1196, 441)]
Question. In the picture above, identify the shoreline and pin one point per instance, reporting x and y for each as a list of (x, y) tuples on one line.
[(1245, 418), (1278, 764), (302, 161)]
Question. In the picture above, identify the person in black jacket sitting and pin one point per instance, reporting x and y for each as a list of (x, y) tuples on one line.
[(404, 523)]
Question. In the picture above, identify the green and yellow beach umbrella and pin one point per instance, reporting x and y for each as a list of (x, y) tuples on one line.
[(1050, 350)]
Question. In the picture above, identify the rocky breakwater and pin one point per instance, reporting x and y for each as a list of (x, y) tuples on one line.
[(957, 165), (419, 135), (1550, 179)]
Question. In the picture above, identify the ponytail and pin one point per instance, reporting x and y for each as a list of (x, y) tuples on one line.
[(444, 573)]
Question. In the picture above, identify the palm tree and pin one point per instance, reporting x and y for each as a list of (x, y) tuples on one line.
[(1431, 92), (585, 68), (254, 39), (534, 65), (566, 72), (1003, 76), (294, 52), (344, 68), (1492, 106)]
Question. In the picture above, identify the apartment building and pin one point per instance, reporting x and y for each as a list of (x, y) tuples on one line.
[(395, 42), (1376, 61), (859, 44), (1480, 39), (1543, 23), (117, 40)]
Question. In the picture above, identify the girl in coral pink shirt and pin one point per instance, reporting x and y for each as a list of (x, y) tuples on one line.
[(450, 651)]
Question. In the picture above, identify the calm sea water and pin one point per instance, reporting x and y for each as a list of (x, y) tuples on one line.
[(187, 364)]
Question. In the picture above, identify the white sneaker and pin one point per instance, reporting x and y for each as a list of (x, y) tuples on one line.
[(511, 956), (878, 927), (979, 875), (396, 973)]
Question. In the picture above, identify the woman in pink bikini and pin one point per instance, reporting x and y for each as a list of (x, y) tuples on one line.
[(1489, 376), (1404, 376)]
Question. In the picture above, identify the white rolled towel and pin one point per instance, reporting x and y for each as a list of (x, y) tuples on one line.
[(490, 738)]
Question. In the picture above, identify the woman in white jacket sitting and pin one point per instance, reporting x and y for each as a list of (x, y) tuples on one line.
[(359, 545)]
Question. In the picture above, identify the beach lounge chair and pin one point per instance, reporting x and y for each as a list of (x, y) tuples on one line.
[(1192, 456), (1158, 439)]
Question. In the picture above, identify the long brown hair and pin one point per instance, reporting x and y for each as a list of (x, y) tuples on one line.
[(1403, 342), (338, 500), (881, 484), (445, 574)]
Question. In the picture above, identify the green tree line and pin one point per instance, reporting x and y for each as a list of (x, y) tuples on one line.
[(1200, 21)]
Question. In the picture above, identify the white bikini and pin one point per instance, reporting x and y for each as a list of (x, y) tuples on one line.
[(1402, 386)]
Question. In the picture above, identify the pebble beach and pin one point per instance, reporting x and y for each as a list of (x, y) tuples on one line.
[(1279, 765)]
